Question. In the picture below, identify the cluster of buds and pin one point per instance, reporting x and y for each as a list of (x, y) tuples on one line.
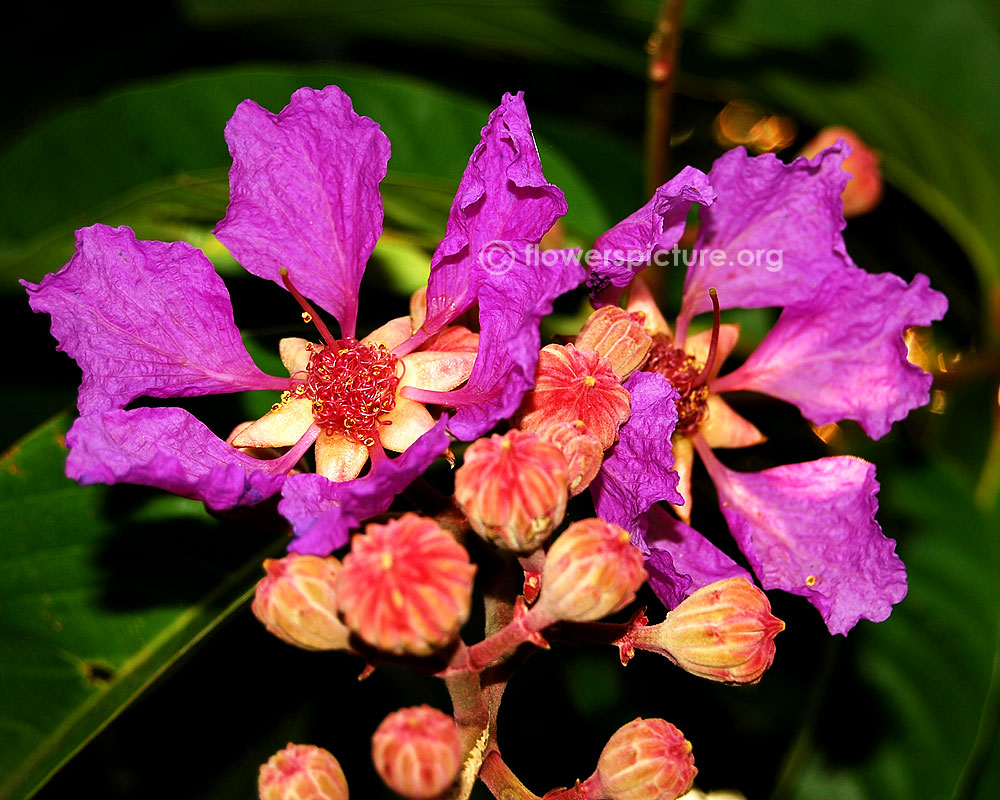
[(404, 592)]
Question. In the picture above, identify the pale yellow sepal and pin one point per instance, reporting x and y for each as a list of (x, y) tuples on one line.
[(339, 458), (279, 428)]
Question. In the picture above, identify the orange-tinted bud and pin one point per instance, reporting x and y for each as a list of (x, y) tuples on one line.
[(417, 752), (864, 190), (513, 488), (572, 385), (297, 602), (406, 586), (724, 632), (648, 759), (581, 449), (619, 336), (302, 772), (590, 571)]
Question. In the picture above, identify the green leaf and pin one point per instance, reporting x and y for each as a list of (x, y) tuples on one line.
[(154, 158), (101, 591)]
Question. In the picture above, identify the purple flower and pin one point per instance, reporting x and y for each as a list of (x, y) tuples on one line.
[(836, 351), (149, 319)]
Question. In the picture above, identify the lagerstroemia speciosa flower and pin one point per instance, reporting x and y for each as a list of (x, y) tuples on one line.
[(836, 352), (150, 319)]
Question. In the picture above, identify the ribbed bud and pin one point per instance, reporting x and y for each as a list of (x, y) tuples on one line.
[(724, 632), (590, 571), (302, 772), (513, 488), (648, 759), (572, 385), (297, 602), (406, 586), (581, 449), (864, 190), (417, 752), (619, 336)]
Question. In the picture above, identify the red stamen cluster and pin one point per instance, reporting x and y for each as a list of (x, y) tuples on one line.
[(352, 386), (685, 375)]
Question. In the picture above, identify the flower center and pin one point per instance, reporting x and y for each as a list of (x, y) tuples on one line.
[(685, 375), (352, 387)]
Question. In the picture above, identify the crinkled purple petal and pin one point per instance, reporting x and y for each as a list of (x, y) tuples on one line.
[(638, 469), (304, 195), (841, 355), (502, 209), (144, 318), (323, 512), (810, 529), (679, 560), (170, 449), (772, 236), (625, 250), (511, 307)]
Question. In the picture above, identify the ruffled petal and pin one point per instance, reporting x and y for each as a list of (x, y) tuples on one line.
[(322, 512), (144, 318), (625, 250), (170, 449), (784, 222), (810, 529), (511, 308), (502, 209), (842, 355), (304, 195), (638, 470), (679, 560)]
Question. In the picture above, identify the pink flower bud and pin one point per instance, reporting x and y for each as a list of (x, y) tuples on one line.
[(581, 449), (575, 385), (619, 336), (297, 602), (302, 772), (513, 489), (417, 752), (406, 586), (590, 571), (724, 632), (648, 759), (864, 190)]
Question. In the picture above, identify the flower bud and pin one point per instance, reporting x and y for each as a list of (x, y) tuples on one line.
[(572, 385), (619, 336), (406, 586), (417, 752), (864, 190), (297, 602), (724, 632), (581, 449), (648, 759), (590, 571), (513, 489), (302, 771)]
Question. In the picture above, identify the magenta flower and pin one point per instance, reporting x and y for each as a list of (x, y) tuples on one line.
[(148, 319), (836, 351)]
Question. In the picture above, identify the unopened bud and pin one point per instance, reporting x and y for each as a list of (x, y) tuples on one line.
[(406, 586), (302, 771), (297, 602), (619, 336), (581, 449), (864, 190), (648, 759), (590, 571), (513, 488), (724, 632), (417, 752), (572, 385)]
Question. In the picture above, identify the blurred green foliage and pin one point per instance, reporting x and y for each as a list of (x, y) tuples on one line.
[(118, 117)]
